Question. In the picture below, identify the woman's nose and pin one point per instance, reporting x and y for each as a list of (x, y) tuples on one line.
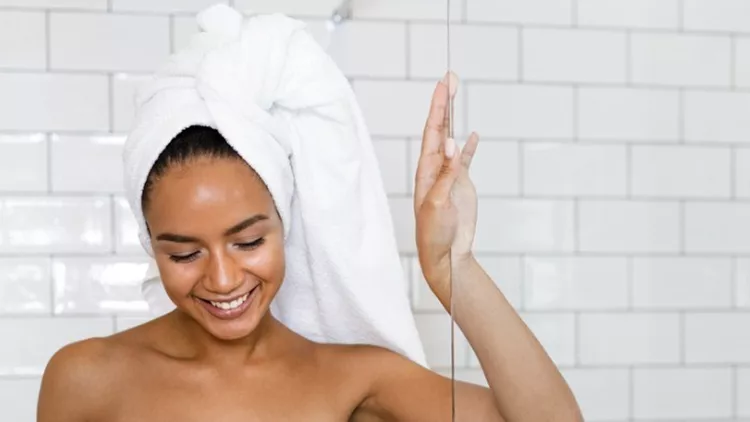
[(224, 273)]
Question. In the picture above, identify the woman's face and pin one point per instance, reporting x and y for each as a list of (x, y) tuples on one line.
[(218, 243)]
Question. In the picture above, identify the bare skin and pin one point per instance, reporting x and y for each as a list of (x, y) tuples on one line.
[(217, 237)]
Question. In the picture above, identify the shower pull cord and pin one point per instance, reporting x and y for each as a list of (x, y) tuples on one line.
[(450, 134)]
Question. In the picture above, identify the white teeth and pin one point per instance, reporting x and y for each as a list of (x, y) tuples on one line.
[(231, 305)]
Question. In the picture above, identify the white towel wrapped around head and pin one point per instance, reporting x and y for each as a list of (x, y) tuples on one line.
[(285, 107)]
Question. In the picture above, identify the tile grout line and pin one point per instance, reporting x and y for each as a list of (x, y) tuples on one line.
[(52, 299), (48, 40), (522, 280), (496, 82), (631, 392), (577, 338), (576, 227), (630, 277), (113, 224), (629, 58), (734, 298), (681, 116), (521, 155), (733, 61), (735, 391), (48, 142), (465, 114), (430, 21), (172, 46), (407, 49), (629, 171), (111, 102), (683, 227), (683, 335), (575, 111), (733, 171), (519, 55), (410, 168)]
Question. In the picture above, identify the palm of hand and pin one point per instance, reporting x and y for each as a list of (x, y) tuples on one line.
[(464, 199), (445, 200)]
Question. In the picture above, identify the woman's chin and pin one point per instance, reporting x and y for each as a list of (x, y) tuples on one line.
[(233, 329)]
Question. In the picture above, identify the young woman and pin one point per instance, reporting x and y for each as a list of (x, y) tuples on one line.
[(221, 355)]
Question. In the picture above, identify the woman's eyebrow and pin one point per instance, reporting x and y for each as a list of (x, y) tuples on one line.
[(242, 225), (245, 224), (177, 238)]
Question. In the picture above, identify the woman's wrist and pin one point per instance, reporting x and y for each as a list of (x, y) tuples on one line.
[(442, 282)]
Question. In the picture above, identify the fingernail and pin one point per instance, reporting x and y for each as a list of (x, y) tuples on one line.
[(450, 147), (453, 84), (451, 79)]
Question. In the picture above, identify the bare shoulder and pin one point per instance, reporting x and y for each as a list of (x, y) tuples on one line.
[(77, 380), (83, 379), (81, 361)]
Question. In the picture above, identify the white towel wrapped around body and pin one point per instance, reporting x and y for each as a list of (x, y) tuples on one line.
[(285, 107)]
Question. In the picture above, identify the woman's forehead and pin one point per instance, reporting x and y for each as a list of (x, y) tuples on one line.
[(208, 186)]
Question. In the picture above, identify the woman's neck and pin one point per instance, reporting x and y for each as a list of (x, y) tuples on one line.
[(255, 347)]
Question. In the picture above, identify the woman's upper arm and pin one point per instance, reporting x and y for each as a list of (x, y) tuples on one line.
[(71, 385), (402, 390)]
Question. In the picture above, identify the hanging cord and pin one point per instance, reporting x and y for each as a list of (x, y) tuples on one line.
[(450, 256)]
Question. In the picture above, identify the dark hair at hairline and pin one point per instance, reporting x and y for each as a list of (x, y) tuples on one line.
[(192, 143)]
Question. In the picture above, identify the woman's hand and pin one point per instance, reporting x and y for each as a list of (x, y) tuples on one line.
[(445, 200)]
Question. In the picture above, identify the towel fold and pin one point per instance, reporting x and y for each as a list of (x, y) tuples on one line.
[(286, 108)]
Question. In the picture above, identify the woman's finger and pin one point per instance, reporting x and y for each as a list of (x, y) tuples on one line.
[(449, 172), (433, 138), (434, 128), (468, 151)]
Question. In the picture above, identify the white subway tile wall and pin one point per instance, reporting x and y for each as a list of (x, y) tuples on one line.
[(124, 90), (94, 41), (613, 176), (56, 4), (658, 14), (103, 155), (23, 163), (29, 26), (743, 392), (568, 55), (681, 172), (742, 52), (604, 394), (428, 58), (680, 60), (371, 49), (629, 338), (682, 393)]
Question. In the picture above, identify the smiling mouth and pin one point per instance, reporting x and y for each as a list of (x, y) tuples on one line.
[(229, 304)]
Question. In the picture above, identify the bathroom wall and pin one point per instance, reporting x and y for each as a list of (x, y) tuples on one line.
[(614, 175)]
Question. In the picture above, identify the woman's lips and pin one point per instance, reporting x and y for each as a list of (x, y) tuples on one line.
[(230, 309)]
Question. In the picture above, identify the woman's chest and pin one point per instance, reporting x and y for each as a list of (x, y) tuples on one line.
[(301, 396)]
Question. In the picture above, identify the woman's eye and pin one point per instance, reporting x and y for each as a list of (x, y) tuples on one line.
[(184, 258), (251, 245)]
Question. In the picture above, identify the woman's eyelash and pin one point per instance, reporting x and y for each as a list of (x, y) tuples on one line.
[(184, 258), (251, 245), (193, 256)]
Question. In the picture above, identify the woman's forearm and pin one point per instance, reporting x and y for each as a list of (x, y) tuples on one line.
[(525, 382)]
